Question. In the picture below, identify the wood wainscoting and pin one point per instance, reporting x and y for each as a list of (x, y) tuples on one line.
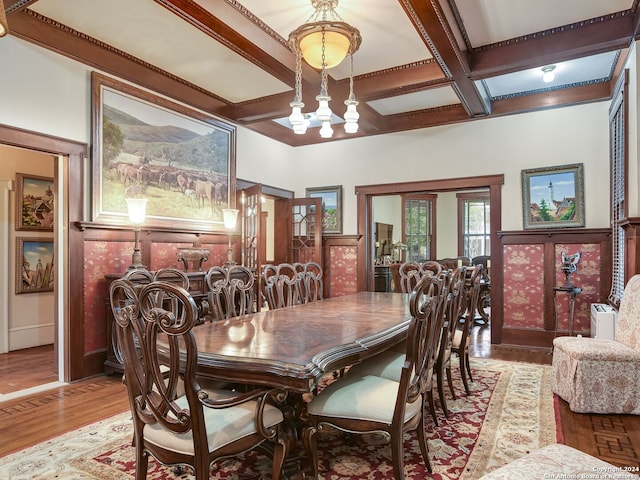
[(531, 270)]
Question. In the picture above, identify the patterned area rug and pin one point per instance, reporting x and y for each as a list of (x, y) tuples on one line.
[(509, 413)]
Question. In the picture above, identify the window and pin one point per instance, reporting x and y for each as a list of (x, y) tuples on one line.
[(474, 224), (618, 154), (418, 227)]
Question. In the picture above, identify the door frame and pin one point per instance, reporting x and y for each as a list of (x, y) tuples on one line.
[(69, 166), (365, 194)]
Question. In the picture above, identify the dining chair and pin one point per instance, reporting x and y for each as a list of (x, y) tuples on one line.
[(362, 404), (197, 427), (231, 291), (412, 272), (454, 309), (388, 364), (311, 288), (282, 284), (461, 336)]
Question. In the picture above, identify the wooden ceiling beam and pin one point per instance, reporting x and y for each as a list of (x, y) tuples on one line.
[(42, 31), (241, 34), (432, 26), (553, 98), (397, 81), (553, 46)]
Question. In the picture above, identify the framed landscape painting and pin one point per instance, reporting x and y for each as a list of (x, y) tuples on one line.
[(331, 207), (553, 197), (34, 203), (146, 146), (34, 265)]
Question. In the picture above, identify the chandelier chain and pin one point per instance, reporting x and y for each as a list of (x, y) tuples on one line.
[(298, 94), (324, 91)]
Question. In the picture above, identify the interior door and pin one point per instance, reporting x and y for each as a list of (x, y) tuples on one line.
[(298, 230), (253, 251)]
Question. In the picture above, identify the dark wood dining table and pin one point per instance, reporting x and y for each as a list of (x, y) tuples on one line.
[(294, 347)]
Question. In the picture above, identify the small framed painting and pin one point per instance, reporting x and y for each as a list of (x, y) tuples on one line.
[(34, 265), (34, 203), (331, 207), (553, 197)]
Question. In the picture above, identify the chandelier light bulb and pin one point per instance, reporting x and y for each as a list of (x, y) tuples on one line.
[(323, 113), (351, 116), (326, 131), (296, 117), (301, 128)]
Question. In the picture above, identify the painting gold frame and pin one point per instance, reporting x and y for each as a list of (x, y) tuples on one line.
[(553, 197), (144, 145), (34, 265)]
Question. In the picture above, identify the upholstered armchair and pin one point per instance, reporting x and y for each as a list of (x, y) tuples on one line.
[(603, 376)]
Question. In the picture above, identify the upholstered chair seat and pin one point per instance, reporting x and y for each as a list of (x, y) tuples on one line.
[(602, 376), (376, 400), (223, 426), (387, 364)]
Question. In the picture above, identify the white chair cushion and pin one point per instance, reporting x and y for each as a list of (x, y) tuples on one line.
[(387, 365), (365, 398), (457, 338), (223, 426)]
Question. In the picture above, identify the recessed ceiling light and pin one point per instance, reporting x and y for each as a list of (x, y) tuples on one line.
[(548, 75)]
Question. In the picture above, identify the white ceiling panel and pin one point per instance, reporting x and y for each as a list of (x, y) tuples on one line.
[(595, 67), (435, 97), (492, 21), (151, 32)]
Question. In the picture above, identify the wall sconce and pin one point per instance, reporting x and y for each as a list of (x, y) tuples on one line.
[(230, 217), (137, 211)]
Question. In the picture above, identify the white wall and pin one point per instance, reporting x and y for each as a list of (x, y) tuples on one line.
[(505, 145), (48, 93)]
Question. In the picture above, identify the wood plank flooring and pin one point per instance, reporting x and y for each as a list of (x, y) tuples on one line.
[(28, 420)]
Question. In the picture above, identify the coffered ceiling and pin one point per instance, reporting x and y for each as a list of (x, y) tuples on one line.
[(422, 63)]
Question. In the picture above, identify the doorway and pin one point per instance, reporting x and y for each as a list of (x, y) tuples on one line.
[(366, 229), (69, 159)]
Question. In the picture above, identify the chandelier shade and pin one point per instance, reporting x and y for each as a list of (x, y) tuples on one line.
[(338, 40)]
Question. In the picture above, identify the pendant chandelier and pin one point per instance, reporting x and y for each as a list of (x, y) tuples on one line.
[(324, 41)]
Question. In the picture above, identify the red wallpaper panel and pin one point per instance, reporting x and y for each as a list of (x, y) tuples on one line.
[(100, 259), (587, 277), (524, 286), (113, 257), (343, 265)]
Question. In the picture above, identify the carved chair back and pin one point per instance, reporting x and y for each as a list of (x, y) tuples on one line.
[(231, 291), (412, 272), (282, 284), (311, 288), (430, 289)]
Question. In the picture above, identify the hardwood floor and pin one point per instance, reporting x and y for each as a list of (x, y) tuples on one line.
[(27, 368), (613, 438)]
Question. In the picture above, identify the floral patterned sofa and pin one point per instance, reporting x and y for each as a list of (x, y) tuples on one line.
[(602, 376), (558, 461)]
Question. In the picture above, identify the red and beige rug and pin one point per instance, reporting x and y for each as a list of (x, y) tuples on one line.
[(510, 413)]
